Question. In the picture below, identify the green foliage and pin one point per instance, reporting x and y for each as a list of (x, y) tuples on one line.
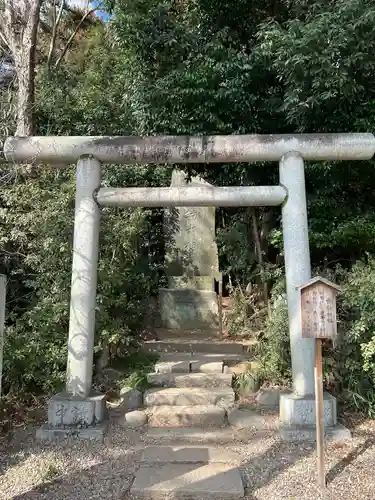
[(357, 341), (274, 346), (36, 229), (85, 96), (135, 367), (231, 240), (191, 67), (349, 362), (246, 316), (51, 471)]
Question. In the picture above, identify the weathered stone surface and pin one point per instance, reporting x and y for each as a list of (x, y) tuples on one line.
[(131, 399), (300, 411), (200, 356), (185, 396), (94, 433), (135, 418), (206, 380), (187, 345), (308, 433), (206, 365), (226, 436), (206, 335), (188, 481), (188, 308), (242, 418), (269, 397), (190, 234), (187, 416), (192, 264), (65, 410), (188, 454), (173, 366)]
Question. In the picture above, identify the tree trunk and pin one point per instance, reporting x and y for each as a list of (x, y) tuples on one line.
[(19, 26), (259, 256), (25, 94)]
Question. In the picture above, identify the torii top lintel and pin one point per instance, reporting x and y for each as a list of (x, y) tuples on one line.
[(187, 149)]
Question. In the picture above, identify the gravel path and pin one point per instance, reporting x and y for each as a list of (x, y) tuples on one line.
[(271, 469)]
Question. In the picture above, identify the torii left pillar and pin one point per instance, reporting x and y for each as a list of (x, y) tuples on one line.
[(78, 410)]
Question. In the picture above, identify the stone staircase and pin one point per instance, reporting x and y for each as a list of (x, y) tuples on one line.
[(190, 390)]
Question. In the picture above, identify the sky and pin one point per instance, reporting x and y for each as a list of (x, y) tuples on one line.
[(82, 4)]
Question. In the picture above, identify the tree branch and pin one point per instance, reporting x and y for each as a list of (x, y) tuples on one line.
[(71, 38), (56, 22)]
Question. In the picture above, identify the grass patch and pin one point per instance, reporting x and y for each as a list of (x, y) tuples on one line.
[(51, 471), (134, 369)]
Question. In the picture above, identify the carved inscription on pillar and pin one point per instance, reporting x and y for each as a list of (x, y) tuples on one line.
[(191, 246)]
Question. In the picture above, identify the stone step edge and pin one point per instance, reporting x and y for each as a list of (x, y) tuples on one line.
[(202, 356), (199, 416), (189, 390), (189, 366), (197, 454), (189, 396), (198, 347), (209, 435), (191, 379), (207, 482)]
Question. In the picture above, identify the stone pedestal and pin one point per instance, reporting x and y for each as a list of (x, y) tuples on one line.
[(298, 417), (188, 308), (75, 416)]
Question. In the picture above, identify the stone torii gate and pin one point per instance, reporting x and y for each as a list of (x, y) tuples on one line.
[(78, 407)]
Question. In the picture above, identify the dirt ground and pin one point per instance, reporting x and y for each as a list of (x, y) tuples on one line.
[(271, 469)]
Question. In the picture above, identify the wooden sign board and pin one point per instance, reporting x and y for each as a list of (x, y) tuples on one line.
[(318, 309)]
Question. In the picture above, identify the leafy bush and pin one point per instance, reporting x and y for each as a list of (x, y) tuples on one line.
[(247, 314), (274, 345), (36, 234), (356, 347), (349, 362)]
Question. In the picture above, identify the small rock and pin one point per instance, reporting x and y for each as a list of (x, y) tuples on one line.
[(269, 397), (135, 418), (245, 419), (130, 398)]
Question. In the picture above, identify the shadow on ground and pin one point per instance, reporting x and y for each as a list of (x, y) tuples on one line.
[(113, 478)]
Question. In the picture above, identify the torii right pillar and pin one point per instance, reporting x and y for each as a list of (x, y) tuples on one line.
[(297, 409)]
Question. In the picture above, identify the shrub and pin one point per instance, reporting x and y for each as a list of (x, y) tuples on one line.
[(274, 345), (36, 234), (356, 344)]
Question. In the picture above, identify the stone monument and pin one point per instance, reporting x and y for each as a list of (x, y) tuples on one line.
[(192, 264)]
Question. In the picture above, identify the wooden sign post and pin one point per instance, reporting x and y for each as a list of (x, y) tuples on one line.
[(221, 304), (318, 311)]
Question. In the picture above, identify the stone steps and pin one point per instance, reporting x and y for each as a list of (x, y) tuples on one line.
[(187, 345), (176, 454), (198, 362), (177, 364), (189, 473), (196, 334), (205, 380), (185, 396), (206, 365), (209, 436), (213, 356), (186, 416), (191, 393), (189, 481)]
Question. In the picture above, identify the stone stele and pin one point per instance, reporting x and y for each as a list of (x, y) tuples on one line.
[(192, 264)]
